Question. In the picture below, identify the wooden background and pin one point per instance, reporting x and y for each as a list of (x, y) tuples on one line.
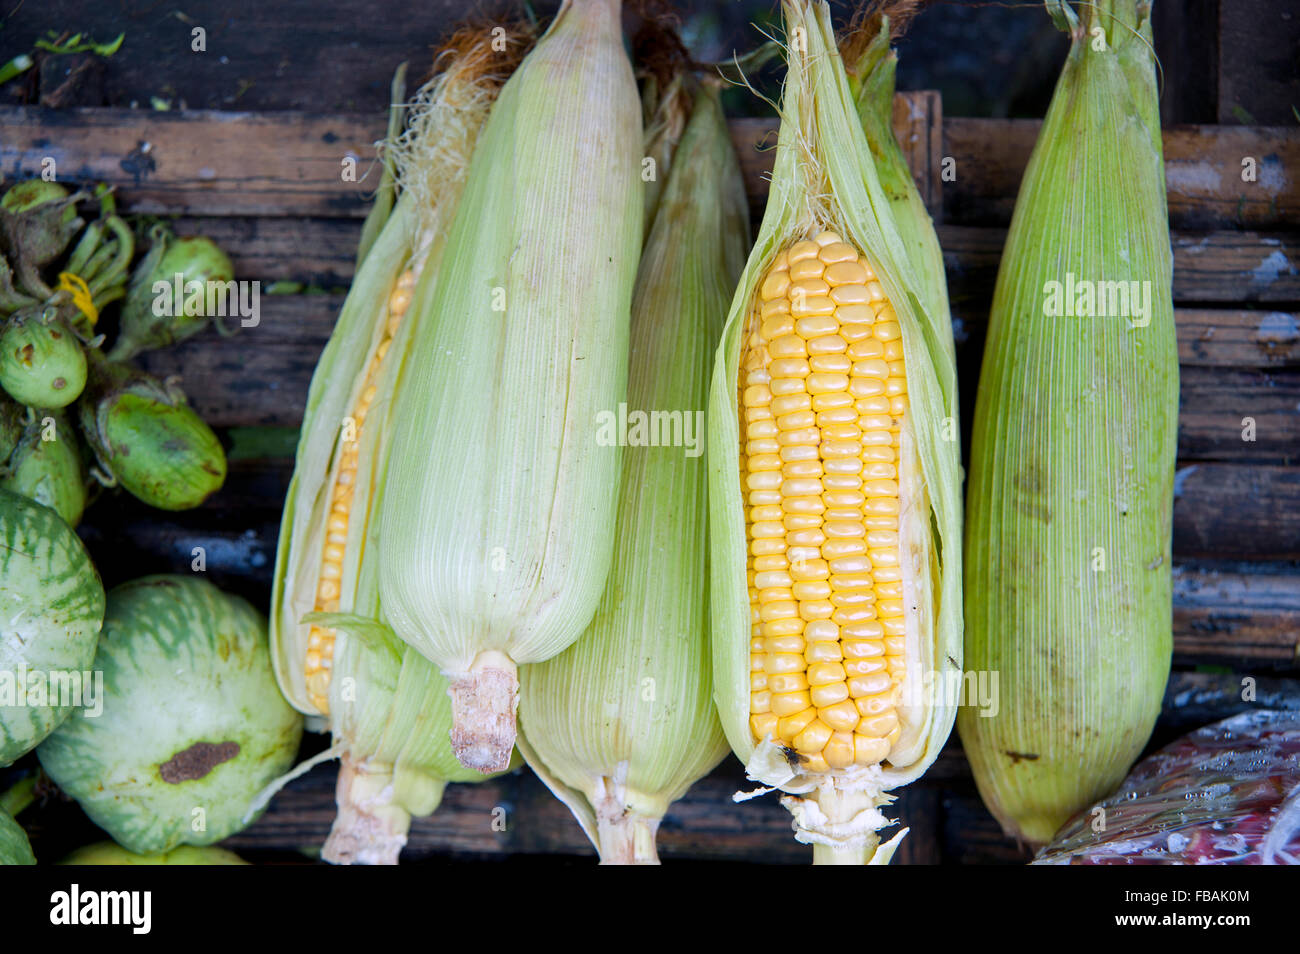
[(266, 185)]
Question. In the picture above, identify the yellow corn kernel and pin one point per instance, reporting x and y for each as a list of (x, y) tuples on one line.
[(823, 359)]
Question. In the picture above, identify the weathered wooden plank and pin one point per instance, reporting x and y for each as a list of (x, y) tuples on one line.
[(219, 163), (1203, 173), (1197, 699), (1239, 414), (918, 125), (309, 250), (1222, 337), (260, 377), (1246, 615), (207, 162), (291, 163), (1228, 268), (1236, 267), (1230, 511), (1209, 267)]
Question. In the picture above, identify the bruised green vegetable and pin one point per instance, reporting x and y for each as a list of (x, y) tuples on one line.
[(47, 467), (192, 726), (42, 363), (172, 292), (107, 853), (54, 607), (12, 416), (148, 439), (37, 221), (15, 849)]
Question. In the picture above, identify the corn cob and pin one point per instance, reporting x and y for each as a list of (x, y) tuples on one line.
[(499, 500), (1072, 455), (622, 723), (334, 656), (834, 487)]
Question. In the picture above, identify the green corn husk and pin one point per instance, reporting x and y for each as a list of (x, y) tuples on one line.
[(871, 75), (386, 706), (1072, 458), (828, 175), (498, 504), (622, 722)]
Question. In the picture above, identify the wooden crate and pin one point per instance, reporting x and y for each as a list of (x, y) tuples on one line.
[(268, 188)]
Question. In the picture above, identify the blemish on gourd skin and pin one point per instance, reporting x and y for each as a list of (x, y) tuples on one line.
[(196, 761)]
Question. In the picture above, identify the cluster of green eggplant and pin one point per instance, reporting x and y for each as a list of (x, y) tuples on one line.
[(73, 417)]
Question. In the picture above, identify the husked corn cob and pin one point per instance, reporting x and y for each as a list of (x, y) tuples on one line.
[(1073, 449), (497, 506), (824, 405), (834, 489), (622, 723)]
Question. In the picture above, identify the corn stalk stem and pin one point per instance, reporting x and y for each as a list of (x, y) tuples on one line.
[(856, 855), (483, 706), (844, 834), (628, 839), (370, 827)]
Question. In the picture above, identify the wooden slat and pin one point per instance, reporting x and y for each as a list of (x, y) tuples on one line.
[(1209, 268), (1231, 268), (1197, 699), (289, 163), (213, 163), (1236, 267), (1237, 615), (1222, 337), (309, 250), (1239, 415), (260, 377), (1203, 169), (918, 125), (217, 163), (1230, 511)]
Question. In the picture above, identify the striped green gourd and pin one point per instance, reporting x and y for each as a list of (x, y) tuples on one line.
[(54, 608), (15, 849), (191, 725)]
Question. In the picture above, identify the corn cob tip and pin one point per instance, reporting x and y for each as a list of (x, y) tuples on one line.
[(370, 828), (483, 705)]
